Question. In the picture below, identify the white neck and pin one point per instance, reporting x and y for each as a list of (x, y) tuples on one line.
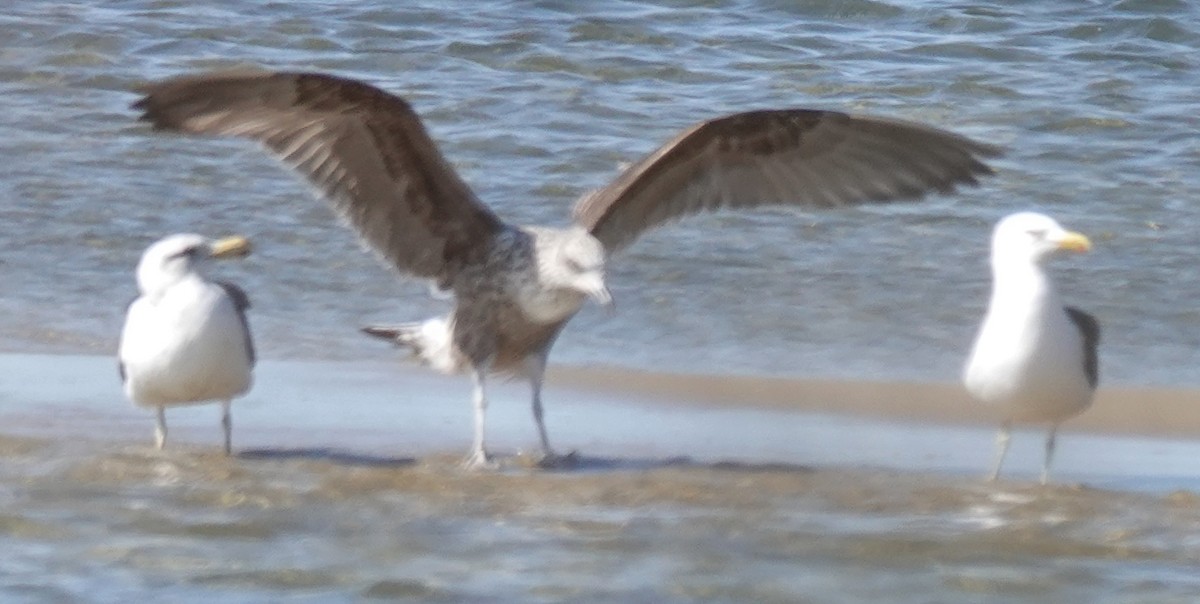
[(1019, 284), (154, 283)]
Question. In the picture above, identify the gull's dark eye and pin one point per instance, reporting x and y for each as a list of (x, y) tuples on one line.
[(1037, 234), (189, 252)]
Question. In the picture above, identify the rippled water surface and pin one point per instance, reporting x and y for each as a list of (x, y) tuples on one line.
[(345, 487), (289, 525), (536, 103)]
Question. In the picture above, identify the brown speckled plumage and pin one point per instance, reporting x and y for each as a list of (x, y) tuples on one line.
[(368, 153)]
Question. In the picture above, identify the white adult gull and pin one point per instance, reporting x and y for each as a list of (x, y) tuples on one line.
[(186, 340), (1034, 358), (517, 286)]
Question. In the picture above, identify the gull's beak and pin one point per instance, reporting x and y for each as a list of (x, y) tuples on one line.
[(1074, 242), (595, 288), (604, 298), (230, 247)]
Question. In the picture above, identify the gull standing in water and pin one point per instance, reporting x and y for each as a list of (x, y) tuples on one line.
[(186, 340), (515, 286), (1033, 356)]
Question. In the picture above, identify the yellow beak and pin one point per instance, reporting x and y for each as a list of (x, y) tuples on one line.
[(1075, 242), (230, 247)]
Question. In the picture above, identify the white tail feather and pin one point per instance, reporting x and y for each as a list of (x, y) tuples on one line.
[(430, 341)]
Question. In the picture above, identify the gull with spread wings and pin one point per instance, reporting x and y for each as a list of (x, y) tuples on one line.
[(515, 287)]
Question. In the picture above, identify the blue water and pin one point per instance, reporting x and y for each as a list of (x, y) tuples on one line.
[(537, 103), (344, 488)]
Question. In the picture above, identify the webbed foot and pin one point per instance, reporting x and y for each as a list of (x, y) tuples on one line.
[(480, 459), (554, 461)]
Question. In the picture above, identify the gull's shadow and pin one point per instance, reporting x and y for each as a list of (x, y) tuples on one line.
[(766, 466), (567, 464), (586, 464), (345, 458)]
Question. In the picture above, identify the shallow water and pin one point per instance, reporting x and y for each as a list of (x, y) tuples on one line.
[(195, 526), (345, 486), (360, 497), (538, 102)]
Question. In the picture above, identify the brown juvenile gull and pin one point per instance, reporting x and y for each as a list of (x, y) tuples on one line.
[(186, 340), (1033, 356), (516, 286)]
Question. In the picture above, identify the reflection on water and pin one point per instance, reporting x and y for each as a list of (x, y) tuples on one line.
[(361, 496), (89, 518)]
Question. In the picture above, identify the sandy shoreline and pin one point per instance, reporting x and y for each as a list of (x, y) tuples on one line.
[(345, 485), (1132, 410), (1139, 438), (30, 382)]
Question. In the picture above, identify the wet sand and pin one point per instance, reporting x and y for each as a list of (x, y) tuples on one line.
[(101, 521), (1135, 410), (345, 487), (1133, 436)]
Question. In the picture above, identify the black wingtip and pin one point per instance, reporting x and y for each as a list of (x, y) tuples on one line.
[(157, 119), (146, 111)]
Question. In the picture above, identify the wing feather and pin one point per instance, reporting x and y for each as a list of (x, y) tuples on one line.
[(1089, 328), (803, 157), (364, 149), (241, 302)]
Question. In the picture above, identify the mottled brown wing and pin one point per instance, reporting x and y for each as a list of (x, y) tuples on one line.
[(802, 157), (365, 149)]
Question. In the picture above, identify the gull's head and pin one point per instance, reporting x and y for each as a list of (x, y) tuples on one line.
[(1031, 237), (578, 264), (175, 257)]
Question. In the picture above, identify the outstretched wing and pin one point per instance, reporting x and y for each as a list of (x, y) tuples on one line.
[(365, 149), (802, 157), (1089, 327)]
